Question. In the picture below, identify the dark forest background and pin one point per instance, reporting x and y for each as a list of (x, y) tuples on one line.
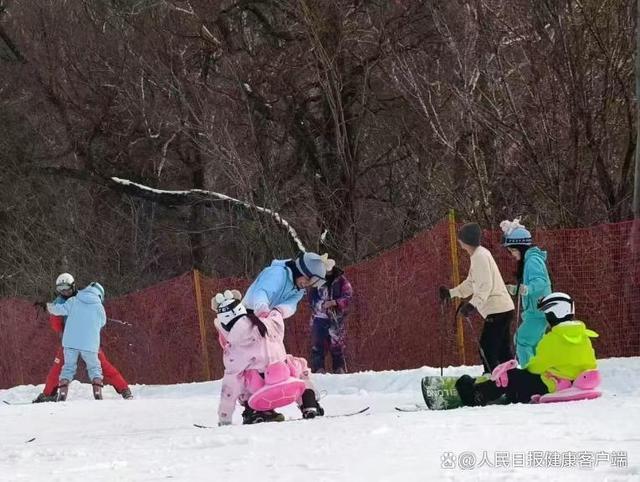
[(365, 118)]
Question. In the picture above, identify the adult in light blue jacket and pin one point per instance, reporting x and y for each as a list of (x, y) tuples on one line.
[(533, 284), (282, 285), (85, 318)]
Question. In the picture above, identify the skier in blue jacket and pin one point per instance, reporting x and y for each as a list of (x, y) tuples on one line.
[(533, 284), (81, 338), (282, 285)]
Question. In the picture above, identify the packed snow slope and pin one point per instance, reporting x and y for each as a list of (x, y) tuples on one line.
[(153, 437)]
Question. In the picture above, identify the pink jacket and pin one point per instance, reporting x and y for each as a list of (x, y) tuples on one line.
[(245, 349)]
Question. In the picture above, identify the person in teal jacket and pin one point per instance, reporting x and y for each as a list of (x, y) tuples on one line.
[(533, 283)]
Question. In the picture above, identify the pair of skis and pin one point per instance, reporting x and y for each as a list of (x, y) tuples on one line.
[(336, 415)]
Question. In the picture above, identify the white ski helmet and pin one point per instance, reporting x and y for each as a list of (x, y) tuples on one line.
[(65, 282), (557, 307), (229, 307)]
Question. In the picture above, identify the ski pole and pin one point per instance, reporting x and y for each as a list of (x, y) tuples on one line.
[(442, 327), (518, 307), (120, 322), (334, 318), (473, 333)]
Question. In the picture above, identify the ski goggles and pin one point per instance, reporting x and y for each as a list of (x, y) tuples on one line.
[(64, 287)]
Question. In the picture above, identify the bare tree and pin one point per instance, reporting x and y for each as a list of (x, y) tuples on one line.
[(366, 120)]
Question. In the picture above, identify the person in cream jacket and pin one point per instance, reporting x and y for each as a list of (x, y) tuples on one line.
[(487, 294)]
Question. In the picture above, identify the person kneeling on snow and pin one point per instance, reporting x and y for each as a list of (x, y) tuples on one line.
[(85, 318), (257, 370), (564, 364)]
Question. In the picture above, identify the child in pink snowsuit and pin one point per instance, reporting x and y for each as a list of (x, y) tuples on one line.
[(257, 370)]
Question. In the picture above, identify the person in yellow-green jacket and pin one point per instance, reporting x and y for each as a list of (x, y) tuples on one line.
[(564, 364)]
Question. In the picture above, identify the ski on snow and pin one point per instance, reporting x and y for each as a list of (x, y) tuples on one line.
[(412, 407), (337, 415)]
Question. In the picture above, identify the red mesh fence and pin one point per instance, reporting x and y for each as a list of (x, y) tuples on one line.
[(27, 345), (395, 320), (161, 342), (599, 267)]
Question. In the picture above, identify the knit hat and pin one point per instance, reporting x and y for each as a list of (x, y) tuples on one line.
[(515, 234), (313, 265), (470, 234)]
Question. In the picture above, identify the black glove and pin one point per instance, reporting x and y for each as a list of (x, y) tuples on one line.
[(40, 304), (443, 291), (262, 328), (466, 309)]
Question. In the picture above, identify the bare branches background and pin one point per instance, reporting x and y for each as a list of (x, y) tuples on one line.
[(367, 118)]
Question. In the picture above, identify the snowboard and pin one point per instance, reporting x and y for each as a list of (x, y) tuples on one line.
[(440, 393), (336, 415), (411, 407)]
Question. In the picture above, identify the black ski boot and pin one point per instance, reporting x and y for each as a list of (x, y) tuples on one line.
[(126, 394), (310, 407), (478, 392), (44, 398), (251, 416), (63, 389)]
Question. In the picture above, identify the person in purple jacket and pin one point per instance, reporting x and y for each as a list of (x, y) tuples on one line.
[(329, 306)]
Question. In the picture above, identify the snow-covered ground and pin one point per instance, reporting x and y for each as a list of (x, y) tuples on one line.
[(153, 437)]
